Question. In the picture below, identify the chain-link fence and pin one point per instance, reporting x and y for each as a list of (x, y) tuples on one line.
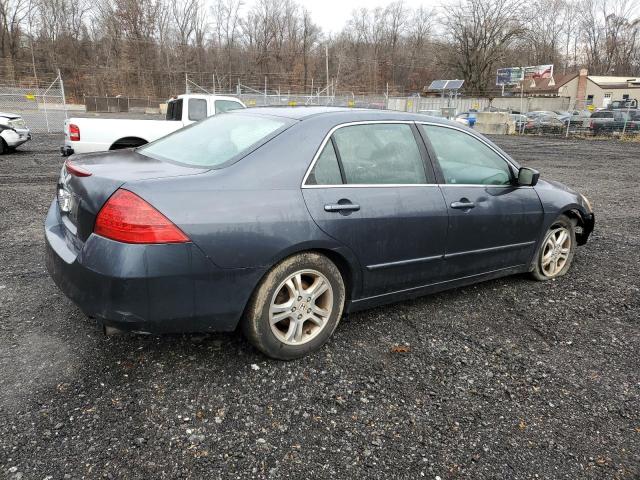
[(42, 107), (121, 104), (585, 123)]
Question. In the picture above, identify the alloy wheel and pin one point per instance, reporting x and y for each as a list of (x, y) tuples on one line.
[(301, 307), (555, 251)]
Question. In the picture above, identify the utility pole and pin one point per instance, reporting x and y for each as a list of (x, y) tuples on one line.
[(326, 58)]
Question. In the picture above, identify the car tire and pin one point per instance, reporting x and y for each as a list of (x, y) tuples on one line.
[(296, 307), (3, 146), (555, 254)]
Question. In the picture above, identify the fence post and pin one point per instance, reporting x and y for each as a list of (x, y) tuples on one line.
[(64, 100), (624, 128), (46, 116)]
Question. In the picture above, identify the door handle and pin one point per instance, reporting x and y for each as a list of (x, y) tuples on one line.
[(341, 207), (463, 204)]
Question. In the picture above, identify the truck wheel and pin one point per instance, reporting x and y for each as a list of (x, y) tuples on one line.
[(296, 307)]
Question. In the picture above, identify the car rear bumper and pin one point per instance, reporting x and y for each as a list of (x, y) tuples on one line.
[(166, 288)]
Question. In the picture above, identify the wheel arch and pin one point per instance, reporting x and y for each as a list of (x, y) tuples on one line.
[(584, 224), (127, 142), (342, 257)]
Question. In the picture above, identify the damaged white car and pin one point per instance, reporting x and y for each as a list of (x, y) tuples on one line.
[(13, 131)]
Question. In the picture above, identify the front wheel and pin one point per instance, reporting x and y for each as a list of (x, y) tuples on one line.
[(556, 253), (296, 307)]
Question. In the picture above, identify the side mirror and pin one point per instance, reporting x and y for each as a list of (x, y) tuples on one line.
[(528, 176)]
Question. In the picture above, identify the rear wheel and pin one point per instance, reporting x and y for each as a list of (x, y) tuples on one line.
[(3, 146), (296, 307), (556, 253)]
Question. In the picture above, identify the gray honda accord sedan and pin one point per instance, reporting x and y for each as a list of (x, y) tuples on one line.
[(280, 220)]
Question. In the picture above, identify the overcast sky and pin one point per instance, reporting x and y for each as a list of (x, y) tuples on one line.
[(331, 15)]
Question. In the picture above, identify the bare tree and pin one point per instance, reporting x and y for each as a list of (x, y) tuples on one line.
[(13, 13), (480, 31), (144, 47)]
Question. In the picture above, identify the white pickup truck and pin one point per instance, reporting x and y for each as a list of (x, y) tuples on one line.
[(85, 135)]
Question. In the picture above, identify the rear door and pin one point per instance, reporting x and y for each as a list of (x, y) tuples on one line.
[(370, 188), (493, 223)]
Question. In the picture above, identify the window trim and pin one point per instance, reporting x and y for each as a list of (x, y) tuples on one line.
[(513, 168), (329, 136)]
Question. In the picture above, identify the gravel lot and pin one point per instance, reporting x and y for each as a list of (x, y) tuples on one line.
[(507, 379)]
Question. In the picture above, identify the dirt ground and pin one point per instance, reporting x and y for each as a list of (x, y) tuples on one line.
[(507, 379)]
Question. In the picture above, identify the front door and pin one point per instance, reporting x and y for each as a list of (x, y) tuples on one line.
[(493, 223), (371, 190)]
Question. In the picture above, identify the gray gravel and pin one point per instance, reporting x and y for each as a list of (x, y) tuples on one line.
[(507, 379)]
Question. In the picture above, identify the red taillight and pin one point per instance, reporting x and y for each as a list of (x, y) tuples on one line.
[(75, 170), (128, 218), (74, 132)]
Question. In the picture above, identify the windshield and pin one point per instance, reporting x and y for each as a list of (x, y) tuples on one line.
[(216, 141)]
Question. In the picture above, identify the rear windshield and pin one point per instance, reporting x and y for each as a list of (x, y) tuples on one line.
[(216, 141)]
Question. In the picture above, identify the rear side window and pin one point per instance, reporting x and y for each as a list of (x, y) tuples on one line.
[(326, 171), (379, 154), (227, 105), (217, 140), (465, 160), (174, 110), (197, 109)]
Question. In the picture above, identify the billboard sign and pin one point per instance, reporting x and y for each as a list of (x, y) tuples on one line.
[(510, 76), (514, 75), (538, 71)]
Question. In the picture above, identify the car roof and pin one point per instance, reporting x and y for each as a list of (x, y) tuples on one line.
[(340, 114), (206, 96)]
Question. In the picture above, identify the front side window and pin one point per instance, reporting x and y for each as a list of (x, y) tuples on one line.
[(216, 140), (465, 160), (227, 105), (379, 153), (197, 109)]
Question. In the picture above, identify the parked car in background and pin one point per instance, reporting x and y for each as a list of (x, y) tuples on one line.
[(466, 118), (13, 132), (86, 135), (612, 121), (623, 104), (540, 113), (634, 115), (520, 120), (544, 124), (575, 120), (432, 113), (282, 219), (462, 118)]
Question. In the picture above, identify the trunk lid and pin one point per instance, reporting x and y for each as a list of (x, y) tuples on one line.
[(80, 198)]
